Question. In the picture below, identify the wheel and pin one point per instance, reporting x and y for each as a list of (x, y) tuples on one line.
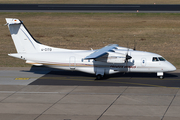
[(161, 77), (98, 77)]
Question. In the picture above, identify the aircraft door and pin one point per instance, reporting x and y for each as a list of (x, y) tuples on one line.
[(72, 62)]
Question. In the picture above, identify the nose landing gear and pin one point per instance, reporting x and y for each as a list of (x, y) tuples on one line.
[(160, 75)]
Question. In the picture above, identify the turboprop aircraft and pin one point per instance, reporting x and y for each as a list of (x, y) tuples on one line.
[(107, 60)]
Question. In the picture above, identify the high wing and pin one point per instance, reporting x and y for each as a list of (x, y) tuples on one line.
[(103, 51)]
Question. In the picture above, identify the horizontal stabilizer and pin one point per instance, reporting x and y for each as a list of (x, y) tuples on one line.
[(11, 21)]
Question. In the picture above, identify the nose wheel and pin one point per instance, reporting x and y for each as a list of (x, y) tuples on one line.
[(160, 75)]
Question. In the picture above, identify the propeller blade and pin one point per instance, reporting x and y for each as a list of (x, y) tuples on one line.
[(127, 57)]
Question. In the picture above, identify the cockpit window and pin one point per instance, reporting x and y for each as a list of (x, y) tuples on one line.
[(161, 59), (155, 59)]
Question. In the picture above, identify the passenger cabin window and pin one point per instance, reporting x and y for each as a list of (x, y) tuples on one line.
[(155, 59)]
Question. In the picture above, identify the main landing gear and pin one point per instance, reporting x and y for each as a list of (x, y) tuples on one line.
[(99, 73), (99, 77)]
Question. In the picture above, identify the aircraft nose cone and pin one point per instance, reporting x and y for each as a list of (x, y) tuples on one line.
[(173, 68), (170, 67)]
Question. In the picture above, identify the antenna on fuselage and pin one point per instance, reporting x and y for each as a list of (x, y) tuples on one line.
[(135, 45)]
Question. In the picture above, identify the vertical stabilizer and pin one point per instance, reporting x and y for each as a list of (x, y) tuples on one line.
[(22, 39)]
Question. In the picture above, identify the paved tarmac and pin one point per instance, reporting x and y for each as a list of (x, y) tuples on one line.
[(39, 94), (120, 79)]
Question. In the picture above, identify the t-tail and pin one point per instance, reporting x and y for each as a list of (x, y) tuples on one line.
[(23, 40)]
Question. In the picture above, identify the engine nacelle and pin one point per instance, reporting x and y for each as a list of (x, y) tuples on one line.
[(112, 57), (115, 59)]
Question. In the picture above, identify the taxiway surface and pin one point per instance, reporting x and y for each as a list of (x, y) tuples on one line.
[(47, 76), (43, 94)]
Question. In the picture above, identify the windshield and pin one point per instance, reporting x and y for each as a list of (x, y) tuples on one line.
[(154, 59), (161, 59)]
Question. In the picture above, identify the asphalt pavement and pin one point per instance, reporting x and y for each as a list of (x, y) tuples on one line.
[(40, 93)]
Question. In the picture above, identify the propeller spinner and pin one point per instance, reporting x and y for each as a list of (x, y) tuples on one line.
[(127, 57)]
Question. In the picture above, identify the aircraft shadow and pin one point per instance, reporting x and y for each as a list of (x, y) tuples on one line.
[(53, 71), (69, 78)]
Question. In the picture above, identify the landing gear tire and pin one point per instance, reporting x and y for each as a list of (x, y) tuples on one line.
[(98, 77), (161, 77)]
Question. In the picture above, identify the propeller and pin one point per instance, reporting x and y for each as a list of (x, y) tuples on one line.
[(127, 57)]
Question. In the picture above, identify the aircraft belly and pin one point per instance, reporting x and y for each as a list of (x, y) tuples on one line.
[(86, 69), (146, 69)]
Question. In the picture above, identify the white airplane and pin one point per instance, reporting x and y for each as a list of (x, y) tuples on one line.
[(107, 60)]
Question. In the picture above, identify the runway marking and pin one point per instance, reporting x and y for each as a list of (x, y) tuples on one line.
[(21, 78)]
